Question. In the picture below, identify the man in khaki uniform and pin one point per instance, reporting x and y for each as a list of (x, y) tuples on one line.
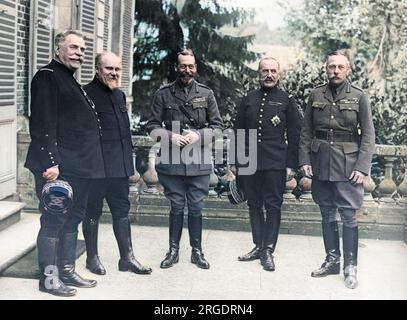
[(336, 147)]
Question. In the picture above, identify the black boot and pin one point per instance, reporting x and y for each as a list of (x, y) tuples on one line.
[(127, 262), (90, 227), (331, 264), (175, 225), (267, 259), (350, 239), (257, 224), (67, 257), (270, 236), (49, 279), (254, 254), (195, 240)]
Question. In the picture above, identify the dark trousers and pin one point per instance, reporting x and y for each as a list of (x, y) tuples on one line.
[(116, 193), (56, 241), (265, 189), (53, 225)]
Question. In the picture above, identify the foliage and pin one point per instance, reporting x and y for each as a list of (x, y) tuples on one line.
[(374, 32), (163, 28)]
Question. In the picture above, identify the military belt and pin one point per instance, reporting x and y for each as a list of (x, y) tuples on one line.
[(335, 136)]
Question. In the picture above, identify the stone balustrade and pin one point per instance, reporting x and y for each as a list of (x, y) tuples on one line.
[(383, 215)]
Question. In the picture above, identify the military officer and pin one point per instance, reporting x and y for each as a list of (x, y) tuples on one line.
[(65, 143), (184, 116), (110, 104), (274, 116), (336, 147)]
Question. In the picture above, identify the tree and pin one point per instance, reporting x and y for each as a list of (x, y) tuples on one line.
[(163, 28), (375, 34)]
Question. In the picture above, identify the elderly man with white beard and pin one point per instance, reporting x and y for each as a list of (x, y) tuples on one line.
[(110, 104)]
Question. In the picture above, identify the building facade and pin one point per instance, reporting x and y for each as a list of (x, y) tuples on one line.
[(26, 44)]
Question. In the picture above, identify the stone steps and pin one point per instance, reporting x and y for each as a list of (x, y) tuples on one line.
[(18, 239), (10, 213)]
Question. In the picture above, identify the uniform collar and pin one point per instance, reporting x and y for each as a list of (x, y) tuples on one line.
[(177, 85), (341, 91), (58, 65), (101, 85), (268, 90)]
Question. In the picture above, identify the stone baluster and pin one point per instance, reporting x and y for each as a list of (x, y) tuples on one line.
[(134, 180), (387, 187), (213, 182), (289, 188), (402, 189), (150, 176), (305, 185), (368, 186)]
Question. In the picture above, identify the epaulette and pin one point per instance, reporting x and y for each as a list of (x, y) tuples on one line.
[(46, 69), (357, 88), (166, 86)]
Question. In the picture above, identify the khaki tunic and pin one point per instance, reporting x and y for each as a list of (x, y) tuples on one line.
[(349, 113)]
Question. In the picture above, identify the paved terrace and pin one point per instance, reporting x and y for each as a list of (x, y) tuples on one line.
[(382, 271)]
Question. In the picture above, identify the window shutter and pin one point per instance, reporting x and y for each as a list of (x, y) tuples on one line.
[(41, 45), (127, 45), (8, 107), (8, 32), (88, 21), (106, 26)]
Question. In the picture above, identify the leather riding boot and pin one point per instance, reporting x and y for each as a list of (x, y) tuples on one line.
[(90, 228), (257, 225), (49, 281), (127, 262), (350, 252), (176, 223), (270, 236), (67, 257), (195, 240), (254, 254), (267, 259), (331, 264)]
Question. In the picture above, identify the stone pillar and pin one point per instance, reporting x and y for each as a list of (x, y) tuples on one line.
[(387, 187)]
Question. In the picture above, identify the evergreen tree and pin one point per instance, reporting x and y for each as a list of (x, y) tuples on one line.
[(164, 27)]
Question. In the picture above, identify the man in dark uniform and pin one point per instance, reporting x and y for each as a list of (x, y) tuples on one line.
[(184, 115), (65, 143), (337, 143), (110, 104), (274, 116)]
